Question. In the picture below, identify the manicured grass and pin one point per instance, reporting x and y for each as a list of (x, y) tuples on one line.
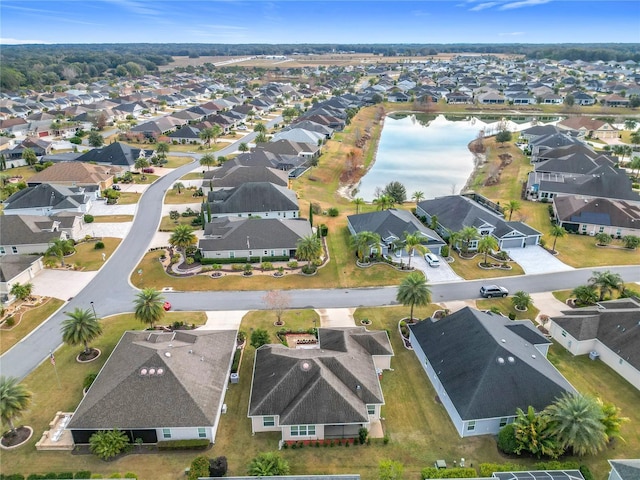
[(469, 269), (167, 225), (30, 320), (128, 198), (26, 172), (192, 176), (506, 307), (49, 397), (185, 196), (112, 218), (596, 378), (175, 162), (87, 258), (562, 295), (145, 179)]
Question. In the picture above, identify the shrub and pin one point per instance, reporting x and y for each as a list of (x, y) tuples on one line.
[(556, 465), (292, 264), (512, 316), (99, 246), (115, 475), (333, 212), (267, 266), (199, 468), (106, 444), (259, 337), (586, 473), (236, 361), (88, 218), (75, 140), (363, 433), (189, 444), (236, 267), (444, 251), (82, 475), (14, 476), (507, 442), (130, 475), (316, 208), (324, 230), (10, 321), (487, 469), (88, 379), (218, 467), (386, 439), (189, 260), (460, 472)]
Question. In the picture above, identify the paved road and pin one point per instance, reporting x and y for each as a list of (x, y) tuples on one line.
[(112, 293)]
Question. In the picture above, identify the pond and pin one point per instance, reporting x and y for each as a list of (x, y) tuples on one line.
[(427, 154)]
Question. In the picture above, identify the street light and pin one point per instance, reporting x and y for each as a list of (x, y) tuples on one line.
[(94, 310)]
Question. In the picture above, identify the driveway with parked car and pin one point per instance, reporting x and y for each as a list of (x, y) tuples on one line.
[(442, 273)]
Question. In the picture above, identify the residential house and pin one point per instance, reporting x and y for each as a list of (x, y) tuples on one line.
[(391, 225), (293, 164), (581, 98), (455, 212), (590, 128), (49, 199), (609, 331), (28, 234), (590, 216), (624, 469), (116, 154), (491, 98), (159, 386), (615, 101), (473, 358), (39, 146), (254, 199), (233, 237), (457, 97), (301, 136), (320, 393), (290, 147), (17, 269), (76, 174), (235, 175), (186, 134)]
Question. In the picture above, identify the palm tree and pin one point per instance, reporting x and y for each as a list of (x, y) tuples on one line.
[(576, 421), (261, 138), (207, 160), (141, 163), (358, 201), (243, 147), (384, 202), (260, 128), (452, 239), (363, 241), (603, 238), (182, 237), (585, 294), (413, 242), (413, 290), (611, 420), (162, 148), (149, 306), (635, 163), (417, 196), (466, 236), (309, 248), (21, 291), (178, 186), (80, 327), (59, 248), (216, 131), (513, 206), (14, 400), (206, 134), (268, 464), (486, 245), (557, 231), (521, 300), (606, 282)]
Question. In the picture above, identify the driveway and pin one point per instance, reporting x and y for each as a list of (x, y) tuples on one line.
[(61, 284), (101, 208), (111, 230), (336, 317), (225, 320), (536, 259), (443, 273)]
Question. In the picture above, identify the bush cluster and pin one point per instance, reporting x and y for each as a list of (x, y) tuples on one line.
[(236, 361), (190, 444), (460, 472), (80, 475)]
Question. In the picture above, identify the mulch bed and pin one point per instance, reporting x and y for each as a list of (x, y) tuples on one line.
[(11, 439), (90, 355)]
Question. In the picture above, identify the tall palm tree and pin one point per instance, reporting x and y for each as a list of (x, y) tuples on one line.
[(14, 400), (606, 282), (207, 160), (216, 131), (363, 241), (466, 236), (513, 206), (452, 239), (486, 245), (585, 294), (162, 148), (260, 128), (206, 134), (309, 248), (148, 306), (413, 242), (557, 231), (576, 421), (358, 202), (59, 248), (179, 186), (261, 138), (384, 202), (417, 196), (243, 147), (80, 327), (413, 290), (182, 237)]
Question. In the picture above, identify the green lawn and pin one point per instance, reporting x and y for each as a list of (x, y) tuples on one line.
[(506, 307), (30, 320), (469, 269), (145, 179), (87, 258), (128, 198), (192, 176), (50, 397), (175, 162), (185, 196), (113, 218), (167, 225)]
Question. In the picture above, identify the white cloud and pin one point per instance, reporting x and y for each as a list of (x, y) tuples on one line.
[(16, 41), (482, 6), (523, 3), (511, 34), (137, 7)]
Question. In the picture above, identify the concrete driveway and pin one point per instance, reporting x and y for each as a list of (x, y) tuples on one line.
[(62, 284), (227, 320), (101, 208), (111, 230), (536, 259), (336, 317), (443, 273)]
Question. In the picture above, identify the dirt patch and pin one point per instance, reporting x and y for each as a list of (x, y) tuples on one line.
[(14, 439)]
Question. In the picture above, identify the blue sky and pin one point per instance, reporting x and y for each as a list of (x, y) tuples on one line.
[(257, 21)]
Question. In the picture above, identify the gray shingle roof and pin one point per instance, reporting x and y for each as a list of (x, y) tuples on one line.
[(318, 386), (253, 197), (598, 211), (115, 154), (47, 195), (187, 392), (13, 265), (239, 174), (478, 360), (627, 469), (392, 222), (27, 230)]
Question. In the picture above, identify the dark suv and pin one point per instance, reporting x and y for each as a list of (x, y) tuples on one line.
[(488, 291)]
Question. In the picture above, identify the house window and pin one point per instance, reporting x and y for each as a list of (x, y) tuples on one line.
[(471, 426), (584, 228), (266, 252), (503, 421), (250, 253), (166, 433), (303, 430), (268, 421), (371, 409), (232, 254), (564, 334), (601, 230), (14, 249), (284, 252), (273, 253), (202, 432), (620, 361), (266, 214), (484, 232), (2, 251)]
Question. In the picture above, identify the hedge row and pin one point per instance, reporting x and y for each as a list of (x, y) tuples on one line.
[(191, 444), (81, 475), (460, 472), (226, 261), (236, 360)]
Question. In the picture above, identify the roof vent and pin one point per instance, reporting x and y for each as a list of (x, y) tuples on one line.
[(503, 340), (167, 354), (152, 371), (358, 387), (533, 356), (202, 359), (160, 371), (305, 366), (511, 360), (143, 371), (190, 351), (500, 361)]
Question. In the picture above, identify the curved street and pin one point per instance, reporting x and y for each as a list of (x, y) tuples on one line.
[(111, 292)]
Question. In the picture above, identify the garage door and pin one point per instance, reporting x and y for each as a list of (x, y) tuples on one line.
[(512, 243)]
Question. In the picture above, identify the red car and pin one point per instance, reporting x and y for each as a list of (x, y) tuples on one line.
[(166, 306), (148, 170)]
